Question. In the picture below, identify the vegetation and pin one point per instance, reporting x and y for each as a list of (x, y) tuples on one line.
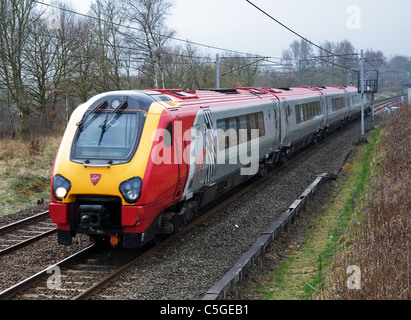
[(25, 171), (303, 273), (364, 235), (379, 239)]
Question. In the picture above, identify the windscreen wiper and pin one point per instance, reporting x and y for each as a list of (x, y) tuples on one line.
[(122, 105), (108, 120), (82, 124)]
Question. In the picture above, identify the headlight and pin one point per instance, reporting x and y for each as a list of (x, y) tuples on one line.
[(61, 187), (131, 189)]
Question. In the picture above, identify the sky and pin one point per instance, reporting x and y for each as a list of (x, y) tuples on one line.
[(237, 25)]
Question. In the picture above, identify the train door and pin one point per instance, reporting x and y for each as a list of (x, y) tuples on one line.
[(180, 158), (203, 158), (277, 125), (210, 163), (324, 108), (284, 121)]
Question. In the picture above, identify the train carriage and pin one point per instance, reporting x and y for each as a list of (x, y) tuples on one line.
[(337, 107), (136, 164)]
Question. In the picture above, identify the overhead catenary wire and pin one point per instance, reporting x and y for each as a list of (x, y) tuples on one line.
[(300, 36), (289, 29), (130, 27), (139, 30)]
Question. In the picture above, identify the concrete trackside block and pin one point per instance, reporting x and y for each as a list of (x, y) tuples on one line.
[(315, 184), (273, 230), (235, 274), (296, 207), (306, 194), (264, 240), (219, 290), (284, 219)]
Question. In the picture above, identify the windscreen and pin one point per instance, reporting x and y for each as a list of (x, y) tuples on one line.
[(107, 137)]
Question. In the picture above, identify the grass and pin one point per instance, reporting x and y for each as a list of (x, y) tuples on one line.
[(25, 170), (302, 275)]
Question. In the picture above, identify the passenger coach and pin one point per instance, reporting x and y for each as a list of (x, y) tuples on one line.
[(136, 165)]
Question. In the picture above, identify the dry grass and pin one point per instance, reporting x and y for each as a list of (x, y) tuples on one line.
[(25, 170), (379, 239)]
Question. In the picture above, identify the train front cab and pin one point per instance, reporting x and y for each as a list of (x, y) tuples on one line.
[(112, 197)]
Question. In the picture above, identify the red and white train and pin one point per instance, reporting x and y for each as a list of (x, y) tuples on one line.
[(136, 164)]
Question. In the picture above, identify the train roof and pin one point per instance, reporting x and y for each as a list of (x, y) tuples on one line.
[(214, 98), (241, 96)]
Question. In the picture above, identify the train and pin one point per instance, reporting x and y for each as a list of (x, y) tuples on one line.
[(134, 166)]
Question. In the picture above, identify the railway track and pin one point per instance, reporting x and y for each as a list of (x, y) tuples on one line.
[(389, 102), (87, 272), (25, 232)]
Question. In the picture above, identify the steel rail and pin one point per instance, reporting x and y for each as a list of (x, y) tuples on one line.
[(20, 224), (21, 286), (27, 242), (23, 221)]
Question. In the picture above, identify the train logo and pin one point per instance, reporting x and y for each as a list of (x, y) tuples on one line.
[(95, 178)]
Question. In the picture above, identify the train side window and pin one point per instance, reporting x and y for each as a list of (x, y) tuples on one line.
[(235, 130), (253, 123), (338, 103), (168, 135), (298, 113), (243, 129), (221, 131), (306, 112), (227, 133), (261, 125), (232, 132)]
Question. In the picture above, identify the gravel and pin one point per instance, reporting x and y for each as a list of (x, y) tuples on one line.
[(191, 265)]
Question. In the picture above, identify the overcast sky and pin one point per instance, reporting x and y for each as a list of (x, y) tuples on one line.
[(237, 25)]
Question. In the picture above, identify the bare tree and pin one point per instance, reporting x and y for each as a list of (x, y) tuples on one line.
[(15, 18), (149, 35), (84, 77), (239, 71), (348, 59), (185, 67), (328, 61), (39, 56), (108, 39), (300, 57), (341, 63), (50, 63)]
